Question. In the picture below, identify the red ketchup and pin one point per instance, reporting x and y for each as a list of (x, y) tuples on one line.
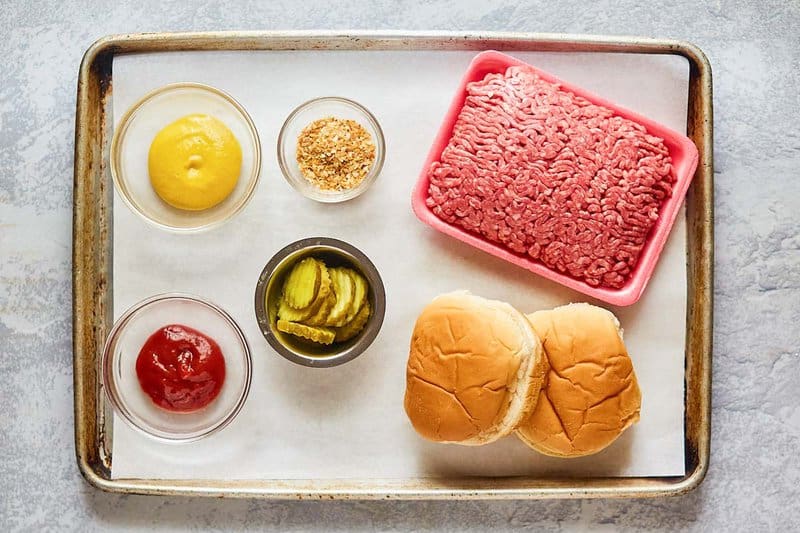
[(181, 369)]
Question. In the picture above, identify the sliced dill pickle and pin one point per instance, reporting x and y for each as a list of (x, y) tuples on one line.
[(301, 315), (343, 288), (325, 287), (320, 315), (354, 327), (359, 294), (303, 283), (291, 314), (315, 334)]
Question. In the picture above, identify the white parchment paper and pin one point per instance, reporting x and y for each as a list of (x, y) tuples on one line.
[(348, 422)]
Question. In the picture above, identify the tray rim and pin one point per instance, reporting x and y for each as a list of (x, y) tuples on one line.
[(91, 276)]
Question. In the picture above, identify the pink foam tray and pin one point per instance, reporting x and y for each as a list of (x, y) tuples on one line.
[(684, 162)]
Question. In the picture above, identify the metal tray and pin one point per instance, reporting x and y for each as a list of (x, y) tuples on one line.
[(92, 254)]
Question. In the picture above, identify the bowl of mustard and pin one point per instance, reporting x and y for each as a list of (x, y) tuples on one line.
[(186, 157)]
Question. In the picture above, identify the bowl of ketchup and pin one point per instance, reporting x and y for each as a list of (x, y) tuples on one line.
[(176, 367)]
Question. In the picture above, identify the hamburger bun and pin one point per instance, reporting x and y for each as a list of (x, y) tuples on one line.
[(590, 394), (474, 370)]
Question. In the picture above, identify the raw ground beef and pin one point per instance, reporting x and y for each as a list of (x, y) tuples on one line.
[(546, 173)]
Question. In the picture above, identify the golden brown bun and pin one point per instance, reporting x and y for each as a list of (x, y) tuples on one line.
[(474, 370), (590, 395)]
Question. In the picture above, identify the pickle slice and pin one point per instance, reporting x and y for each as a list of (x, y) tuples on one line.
[(359, 294), (291, 314), (303, 283), (320, 315), (325, 285), (343, 286), (353, 328), (319, 335)]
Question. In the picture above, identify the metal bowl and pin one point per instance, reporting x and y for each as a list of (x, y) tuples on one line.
[(268, 291)]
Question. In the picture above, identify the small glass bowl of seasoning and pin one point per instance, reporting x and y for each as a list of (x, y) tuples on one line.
[(176, 367), (331, 149), (186, 157), (320, 302)]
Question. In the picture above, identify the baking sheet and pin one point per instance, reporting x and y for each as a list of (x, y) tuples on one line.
[(348, 422)]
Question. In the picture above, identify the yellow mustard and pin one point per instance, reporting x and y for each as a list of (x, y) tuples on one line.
[(194, 162)]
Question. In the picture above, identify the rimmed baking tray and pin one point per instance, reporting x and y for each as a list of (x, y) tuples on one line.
[(92, 255)]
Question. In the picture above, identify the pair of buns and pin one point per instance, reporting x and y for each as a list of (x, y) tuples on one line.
[(479, 369)]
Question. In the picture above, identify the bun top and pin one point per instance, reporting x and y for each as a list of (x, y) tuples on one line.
[(590, 395), (467, 376)]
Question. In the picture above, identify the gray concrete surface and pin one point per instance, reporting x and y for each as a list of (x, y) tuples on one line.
[(754, 480)]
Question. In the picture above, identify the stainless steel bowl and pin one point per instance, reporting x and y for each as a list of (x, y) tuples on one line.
[(268, 291)]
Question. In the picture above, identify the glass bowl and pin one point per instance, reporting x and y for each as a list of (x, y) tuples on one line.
[(268, 291), (318, 108), (122, 384), (138, 127)]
